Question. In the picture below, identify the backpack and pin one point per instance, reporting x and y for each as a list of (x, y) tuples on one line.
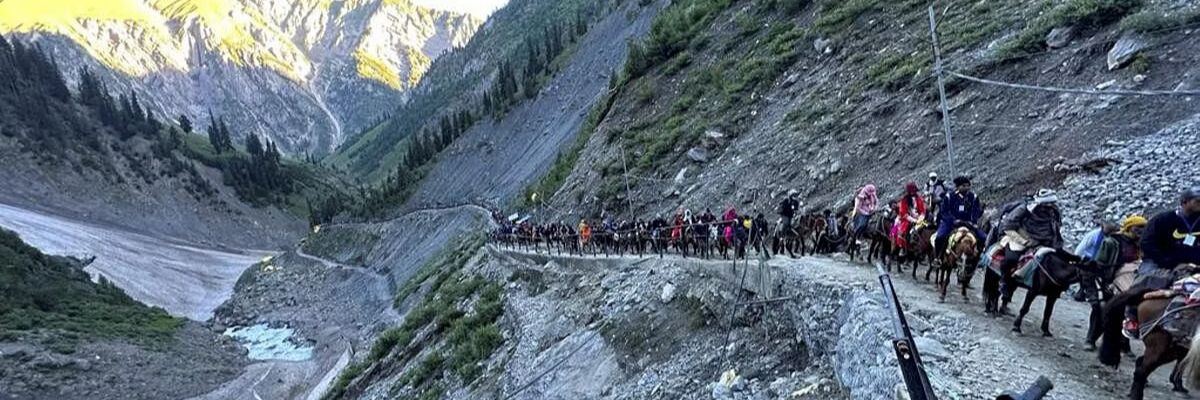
[(1109, 252)]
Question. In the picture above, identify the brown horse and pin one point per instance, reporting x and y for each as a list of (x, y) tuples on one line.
[(1162, 347), (963, 254), (920, 249)]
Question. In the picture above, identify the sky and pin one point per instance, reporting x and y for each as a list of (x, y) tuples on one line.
[(481, 8)]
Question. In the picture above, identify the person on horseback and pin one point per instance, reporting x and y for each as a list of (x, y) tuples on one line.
[(1029, 228), (911, 213), (960, 207), (935, 190), (1172, 239), (585, 232), (865, 204)]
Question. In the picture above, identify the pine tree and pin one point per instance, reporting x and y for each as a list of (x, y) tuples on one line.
[(185, 124), (214, 134), (253, 146)]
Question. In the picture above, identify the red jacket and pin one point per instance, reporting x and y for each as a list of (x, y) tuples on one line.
[(907, 204)]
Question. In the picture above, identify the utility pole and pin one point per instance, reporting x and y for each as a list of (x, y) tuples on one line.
[(628, 196), (937, 69)]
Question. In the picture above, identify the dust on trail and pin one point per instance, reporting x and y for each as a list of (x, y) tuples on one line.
[(185, 280)]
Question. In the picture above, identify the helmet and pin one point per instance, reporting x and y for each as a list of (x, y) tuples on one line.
[(793, 192), (932, 175)]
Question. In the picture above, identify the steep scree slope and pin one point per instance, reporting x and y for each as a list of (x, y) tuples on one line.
[(826, 96), (495, 160)]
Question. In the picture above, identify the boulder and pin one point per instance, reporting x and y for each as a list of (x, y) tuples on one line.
[(698, 154), (1060, 37), (668, 293), (823, 45), (932, 349), (679, 177), (1125, 50), (835, 167)]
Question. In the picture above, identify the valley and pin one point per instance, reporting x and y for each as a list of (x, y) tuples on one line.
[(355, 199)]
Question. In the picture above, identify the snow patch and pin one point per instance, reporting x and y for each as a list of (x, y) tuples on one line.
[(267, 343)]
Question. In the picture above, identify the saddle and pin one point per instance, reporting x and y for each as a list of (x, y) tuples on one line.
[(1030, 262), (957, 236), (1178, 319)]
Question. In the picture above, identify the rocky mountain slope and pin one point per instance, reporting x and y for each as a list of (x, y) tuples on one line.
[(739, 101), (304, 74), (63, 336)]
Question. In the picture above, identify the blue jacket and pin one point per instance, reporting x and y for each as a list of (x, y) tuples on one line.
[(957, 207)]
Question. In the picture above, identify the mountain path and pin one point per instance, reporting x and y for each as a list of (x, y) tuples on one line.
[(981, 363)]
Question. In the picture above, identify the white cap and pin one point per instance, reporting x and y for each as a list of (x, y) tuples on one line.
[(933, 174)]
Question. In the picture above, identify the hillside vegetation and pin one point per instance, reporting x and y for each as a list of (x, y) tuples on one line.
[(744, 100), (88, 131), (50, 299)]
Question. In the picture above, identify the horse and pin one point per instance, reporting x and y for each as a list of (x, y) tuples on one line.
[(1057, 270), (964, 253), (1162, 347), (786, 239), (879, 244), (920, 248)]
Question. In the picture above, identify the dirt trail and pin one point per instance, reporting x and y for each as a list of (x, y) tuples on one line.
[(980, 356)]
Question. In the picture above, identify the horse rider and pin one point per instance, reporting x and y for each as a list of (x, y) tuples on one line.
[(910, 214), (787, 211), (585, 232), (958, 207), (865, 204), (935, 190), (1171, 240), (1034, 226)]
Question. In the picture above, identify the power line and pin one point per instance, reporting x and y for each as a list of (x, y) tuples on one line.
[(1115, 92), (1031, 127)]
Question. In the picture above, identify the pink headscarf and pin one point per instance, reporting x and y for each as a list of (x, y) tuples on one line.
[(868, 200)]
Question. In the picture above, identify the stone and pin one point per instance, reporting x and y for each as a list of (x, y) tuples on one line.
[(668, 293), (698, 154), (823, 45), (1106, 85), (1060, 37), (1125, 50), (835, 167), (931, 349), (1139, 78), (679, 177)]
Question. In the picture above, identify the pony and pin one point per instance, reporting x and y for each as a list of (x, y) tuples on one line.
[(1056, 270), (1162, 347), (964, 254), (879, 244)]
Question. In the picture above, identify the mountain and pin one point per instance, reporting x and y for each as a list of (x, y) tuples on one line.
[(303, 73), (86, 153)]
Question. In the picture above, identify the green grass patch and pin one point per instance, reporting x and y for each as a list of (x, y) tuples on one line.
[(53, 299), (673, 30), (1078, 13), (1152, 21), (837, 16)]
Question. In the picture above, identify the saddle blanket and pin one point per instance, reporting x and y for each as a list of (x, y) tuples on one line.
[(1030, 263), (1179, 319)]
